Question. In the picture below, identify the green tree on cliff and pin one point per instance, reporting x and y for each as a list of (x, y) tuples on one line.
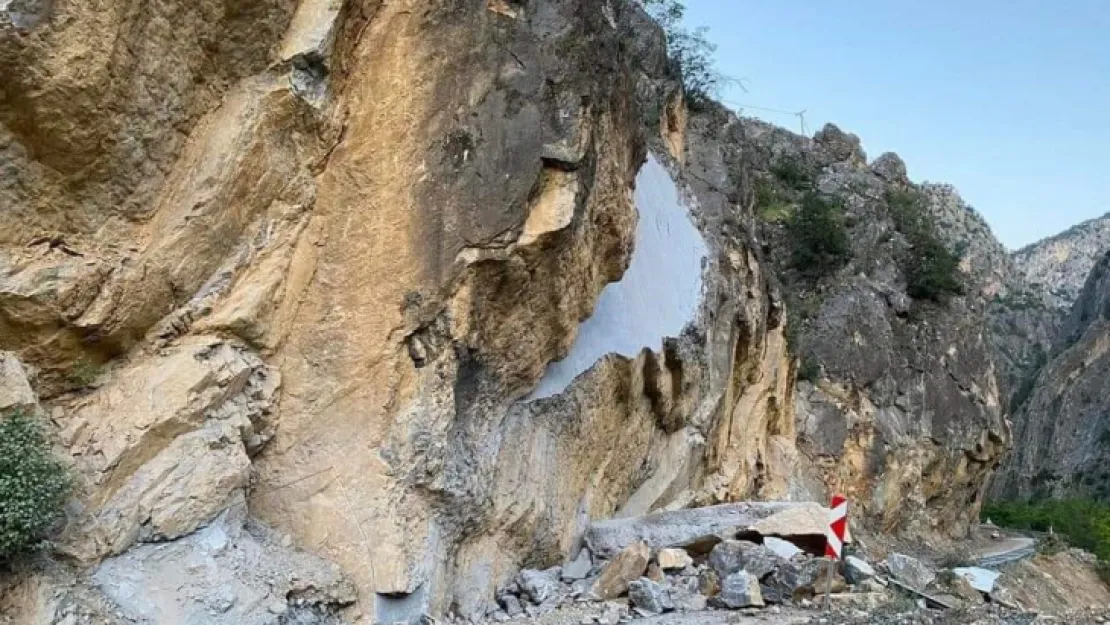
[(691, 50)]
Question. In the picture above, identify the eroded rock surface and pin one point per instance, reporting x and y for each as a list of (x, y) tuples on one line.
[(330, 263), (901, 410), (1061, 431)]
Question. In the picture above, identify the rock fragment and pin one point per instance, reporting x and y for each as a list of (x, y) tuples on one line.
[(579, 567), (673, 559), (739, 590), (540, 586), (649, 596), (678, 528), (782, 548), (15, 390), (910, 571), (857, 569), (629, 565)]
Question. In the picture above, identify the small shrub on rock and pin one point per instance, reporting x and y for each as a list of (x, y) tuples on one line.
[(820, 237), (33, 485), (932, 271), (792, 174)]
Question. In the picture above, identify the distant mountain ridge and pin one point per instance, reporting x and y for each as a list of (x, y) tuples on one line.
[(1059, 265)]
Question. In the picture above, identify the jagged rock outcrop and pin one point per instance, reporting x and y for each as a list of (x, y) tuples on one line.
[(1057, 267), (203, 400), (901, 410), (1062, 444), (1026, 315), (429, 286)]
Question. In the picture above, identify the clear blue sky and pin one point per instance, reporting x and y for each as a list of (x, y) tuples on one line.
[(1007, 100)]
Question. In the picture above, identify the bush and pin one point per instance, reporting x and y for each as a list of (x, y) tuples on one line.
[(931, 270), (33, 485), (820, 237), (809, 370), (690, 50), (84, 373), (769, 205), (792, 174)]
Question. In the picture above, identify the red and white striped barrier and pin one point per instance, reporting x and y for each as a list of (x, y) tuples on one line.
[(838, 527)]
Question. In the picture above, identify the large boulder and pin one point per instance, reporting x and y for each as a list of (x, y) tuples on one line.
[(622, 570), (910, 571), (679, 528), (740, 555)]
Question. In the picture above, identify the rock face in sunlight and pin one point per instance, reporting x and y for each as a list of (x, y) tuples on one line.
[(1061, 432), (658, 294), (898, 402), (390, 300)]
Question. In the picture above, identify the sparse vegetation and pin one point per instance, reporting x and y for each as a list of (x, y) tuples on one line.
[(820, 237), (1083, 523), (33, 485), (769, 203), (931, 270), (809, 370), (690, 50), (83, 373), (792, 174)]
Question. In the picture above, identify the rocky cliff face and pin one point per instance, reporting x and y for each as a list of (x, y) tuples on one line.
[(900, 407), (1062, 445), (1026, 315), (387, 277), (1058, 266)]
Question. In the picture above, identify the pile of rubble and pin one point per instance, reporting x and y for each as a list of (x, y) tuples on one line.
[(744, 556)]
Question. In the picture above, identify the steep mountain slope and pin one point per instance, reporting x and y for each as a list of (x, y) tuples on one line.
[(1026, 317), (1062, 434), (900, 407), (376, 289), (1058, 265)]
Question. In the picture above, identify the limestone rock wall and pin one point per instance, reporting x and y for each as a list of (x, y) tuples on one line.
[(308, 262), (1058, 266), (1060, 433), (901, 408)]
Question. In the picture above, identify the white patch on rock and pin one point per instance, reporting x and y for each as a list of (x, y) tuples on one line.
[(658, 295)]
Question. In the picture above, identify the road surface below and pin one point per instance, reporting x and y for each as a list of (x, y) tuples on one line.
[(1008, 549)]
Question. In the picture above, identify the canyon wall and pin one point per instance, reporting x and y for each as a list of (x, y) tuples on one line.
[(402, 295)]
